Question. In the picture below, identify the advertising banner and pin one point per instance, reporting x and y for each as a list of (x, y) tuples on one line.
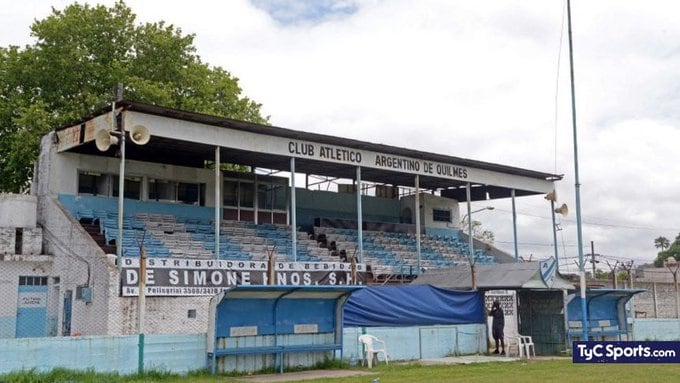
[(194, 277)]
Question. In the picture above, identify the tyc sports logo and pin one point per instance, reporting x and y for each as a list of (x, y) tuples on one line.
[(626, 352)]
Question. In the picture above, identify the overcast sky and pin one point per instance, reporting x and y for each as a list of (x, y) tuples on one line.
[(485, 80)]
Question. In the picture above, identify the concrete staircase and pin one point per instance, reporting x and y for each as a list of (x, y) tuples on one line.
[(93, 230)]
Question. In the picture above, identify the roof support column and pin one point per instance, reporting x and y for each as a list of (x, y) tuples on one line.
[(218, 201), (121, 192), (418, 222), (256, 204), (514, 225), (360, 222), (471, 243), (293, 210)]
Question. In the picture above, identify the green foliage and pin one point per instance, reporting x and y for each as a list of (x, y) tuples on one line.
[(79, 56), (477, 232), (662, 243), (622, 276), (603, 275), (669, 250)]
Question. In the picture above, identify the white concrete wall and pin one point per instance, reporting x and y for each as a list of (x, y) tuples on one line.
[(7, 240), (31, 243), (78, 260), (76, 255), (67, 166), (17, 210), (428, 203)]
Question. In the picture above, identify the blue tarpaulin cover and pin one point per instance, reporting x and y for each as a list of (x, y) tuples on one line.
[(412, 306)]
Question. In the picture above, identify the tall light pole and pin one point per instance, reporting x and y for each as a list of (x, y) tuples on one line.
[(104, 139), (476, 211), (577, 184)]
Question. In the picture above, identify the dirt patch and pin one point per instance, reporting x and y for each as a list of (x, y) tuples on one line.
[(303, 375)]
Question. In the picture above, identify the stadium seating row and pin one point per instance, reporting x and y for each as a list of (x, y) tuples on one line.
[(167, 235)]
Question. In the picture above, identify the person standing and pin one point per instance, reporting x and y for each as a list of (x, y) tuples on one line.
[(497, 325)]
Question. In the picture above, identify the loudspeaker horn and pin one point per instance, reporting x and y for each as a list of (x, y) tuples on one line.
[(552, 196), (103, 139), (564, 210), (140, 134)]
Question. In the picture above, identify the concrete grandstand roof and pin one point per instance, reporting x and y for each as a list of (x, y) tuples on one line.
[(502, 276), (176, 148)]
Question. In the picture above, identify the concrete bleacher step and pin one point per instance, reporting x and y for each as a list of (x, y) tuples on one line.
[(93, 231)]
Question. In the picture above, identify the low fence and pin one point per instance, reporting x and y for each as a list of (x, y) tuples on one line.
[(409, 343), (172, 353), (187, 352), (656, 329)]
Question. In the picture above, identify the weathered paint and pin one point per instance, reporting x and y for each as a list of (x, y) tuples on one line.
[(656, 329), (173, 353)]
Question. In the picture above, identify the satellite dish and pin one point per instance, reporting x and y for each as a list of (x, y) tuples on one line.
[(140, 135), (564, 210), (103, 139)]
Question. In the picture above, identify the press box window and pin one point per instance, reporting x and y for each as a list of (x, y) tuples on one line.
[(246, 194), (271, 197), (439, 215), (131, 187), (192, 194), (92, 183), (162, 190), (230, 193)]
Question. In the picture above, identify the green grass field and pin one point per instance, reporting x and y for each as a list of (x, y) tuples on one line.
[(560, 370)]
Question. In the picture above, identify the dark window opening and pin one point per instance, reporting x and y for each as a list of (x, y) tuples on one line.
[(439, 215), (32, 281), (19, 240)]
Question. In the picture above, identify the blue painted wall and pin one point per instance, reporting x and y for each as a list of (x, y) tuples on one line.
[(656, 329), (184, 353), (407, 343), (176, 353)]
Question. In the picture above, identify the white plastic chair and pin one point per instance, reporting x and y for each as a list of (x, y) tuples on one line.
[(371, 348), (527, 343), (514, 343)]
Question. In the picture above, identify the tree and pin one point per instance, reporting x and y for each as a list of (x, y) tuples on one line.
[(477, 232), (662, 243), (79, 56), (669, 250)]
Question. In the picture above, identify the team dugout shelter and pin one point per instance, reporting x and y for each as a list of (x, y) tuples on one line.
[(212, 202)]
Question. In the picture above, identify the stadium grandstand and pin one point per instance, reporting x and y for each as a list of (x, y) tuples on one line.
[(211, 202)]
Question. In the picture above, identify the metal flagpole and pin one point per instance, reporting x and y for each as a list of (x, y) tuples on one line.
[(577, 184), (514, 225)]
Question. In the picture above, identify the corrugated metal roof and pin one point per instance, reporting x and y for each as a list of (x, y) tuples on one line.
[(316, 137), (524, 275)]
